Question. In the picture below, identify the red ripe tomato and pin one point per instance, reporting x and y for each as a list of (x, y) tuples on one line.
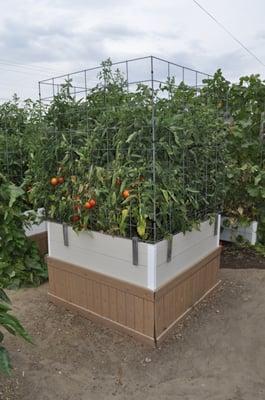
[(75, 218), (125, 194), (76, 207), (87, 205), (92, 202), (54, 181), (61, 179)]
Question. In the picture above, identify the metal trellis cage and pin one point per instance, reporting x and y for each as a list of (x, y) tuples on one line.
[(139, 137)]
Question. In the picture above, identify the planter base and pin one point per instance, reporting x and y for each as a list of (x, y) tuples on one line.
[(41, 240), (145, 314)]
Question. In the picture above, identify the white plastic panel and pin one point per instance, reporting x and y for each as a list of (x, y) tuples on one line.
[(38, 227), (99, 252), (184, 260), (249, 233), (113, 256)]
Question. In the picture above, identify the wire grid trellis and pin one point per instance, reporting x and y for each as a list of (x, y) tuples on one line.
[(13, 158), (192, 166)]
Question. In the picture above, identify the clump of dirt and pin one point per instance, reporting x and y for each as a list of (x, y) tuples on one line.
[(236, 256)]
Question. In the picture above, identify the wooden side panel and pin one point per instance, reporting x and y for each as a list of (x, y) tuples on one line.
[(41, 240), (179, 295), (104, 297), (138, 311)]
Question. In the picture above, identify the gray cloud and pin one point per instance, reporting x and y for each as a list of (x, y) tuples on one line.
[(64, 35)]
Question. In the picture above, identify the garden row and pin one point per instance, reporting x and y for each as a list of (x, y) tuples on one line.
[(146, 164)]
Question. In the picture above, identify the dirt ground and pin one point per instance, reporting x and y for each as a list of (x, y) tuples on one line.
[(217, 353), (236, 256)]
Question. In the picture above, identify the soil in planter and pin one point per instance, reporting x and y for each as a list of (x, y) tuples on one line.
[(236, 257)]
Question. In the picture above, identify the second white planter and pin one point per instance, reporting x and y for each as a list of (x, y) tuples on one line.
[(232, 234)]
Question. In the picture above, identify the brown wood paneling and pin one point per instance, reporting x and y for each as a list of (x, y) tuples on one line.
[(101, 278), (102, 320), (130, 310), (121, 307), (127, 305), (179, 295), (186, 274), (41, 239), (139, 314), (113, 311), (138, 311), (149, 318)]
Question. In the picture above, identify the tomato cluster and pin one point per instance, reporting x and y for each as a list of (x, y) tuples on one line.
[(56, 180), (90, 203)]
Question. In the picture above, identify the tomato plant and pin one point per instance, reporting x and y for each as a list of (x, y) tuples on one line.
[(242, 106), (20, 262), (145, 186), (12, 325)]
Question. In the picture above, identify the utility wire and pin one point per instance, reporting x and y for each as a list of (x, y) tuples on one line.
[(22, 72), (27, 66), (229, 33)]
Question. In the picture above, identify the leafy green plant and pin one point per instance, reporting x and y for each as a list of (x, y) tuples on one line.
[(12, 325), (20, 262), (242, 105), (103, 146)]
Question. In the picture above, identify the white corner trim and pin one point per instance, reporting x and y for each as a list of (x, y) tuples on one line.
[(49, 237), (151, 266), (218, 229)]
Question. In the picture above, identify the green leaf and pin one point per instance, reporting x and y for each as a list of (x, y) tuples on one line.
[(15, 192), (5, 364), (257, 180), (4, 297), (131, 137), (165, 194), (141, 226)]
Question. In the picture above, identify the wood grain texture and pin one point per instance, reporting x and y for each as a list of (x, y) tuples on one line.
[(179, 295), (41, 239), (148, 315), (120, 302)]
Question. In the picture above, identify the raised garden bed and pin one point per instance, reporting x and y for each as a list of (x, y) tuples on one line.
[(137, 168), (38, 233), (94, 274), (236, 232)]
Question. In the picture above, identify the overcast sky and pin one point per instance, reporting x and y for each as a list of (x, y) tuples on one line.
[(60, 36)]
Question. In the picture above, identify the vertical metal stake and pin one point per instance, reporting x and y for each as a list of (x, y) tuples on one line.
[(135, 250), (216, 225), (169, 249), (65, 234)]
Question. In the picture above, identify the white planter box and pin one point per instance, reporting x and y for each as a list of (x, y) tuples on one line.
[(112, 256), (38, 227), (230, 234)]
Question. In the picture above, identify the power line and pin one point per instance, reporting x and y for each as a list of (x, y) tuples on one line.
[(26, 66), (22, 72), (229, 33)]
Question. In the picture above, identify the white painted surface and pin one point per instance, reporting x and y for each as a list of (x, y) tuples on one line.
[(99, 252), (39, 227), (113, 255), (151, 266), (231, 234), (187, 249)]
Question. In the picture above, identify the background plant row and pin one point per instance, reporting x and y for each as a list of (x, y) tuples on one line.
[(206, 156)]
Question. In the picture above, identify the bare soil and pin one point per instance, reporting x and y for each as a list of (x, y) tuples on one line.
[(216, 353), (236, 256)]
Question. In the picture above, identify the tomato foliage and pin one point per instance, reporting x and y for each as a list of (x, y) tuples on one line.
[(20, 262), (172, 166), (12, 325), (243, 106)]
